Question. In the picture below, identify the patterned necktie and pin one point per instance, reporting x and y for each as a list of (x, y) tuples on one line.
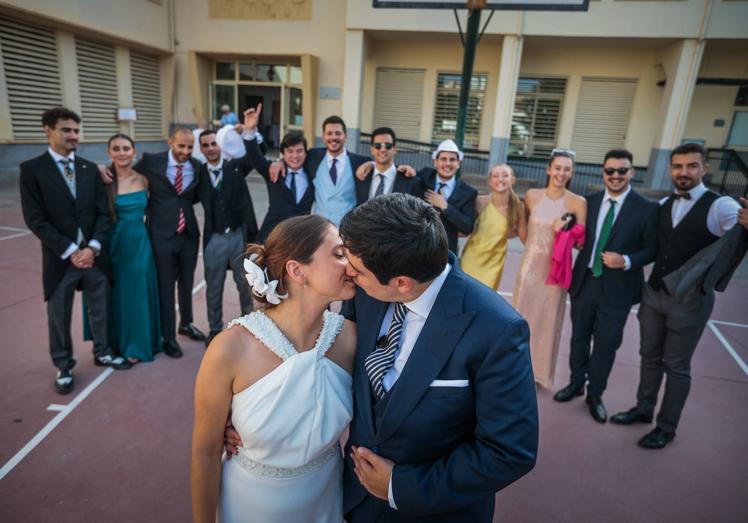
[(334, 171), (69, 174), (597, 265), (178, 180), (218, 176), (382, 358), (292, 185), (440, 188), (380, 187)]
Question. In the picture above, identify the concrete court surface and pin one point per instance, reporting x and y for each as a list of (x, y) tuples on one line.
[(118, 448)]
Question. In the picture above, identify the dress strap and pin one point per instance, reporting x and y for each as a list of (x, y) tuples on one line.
[(333, 323), (265, 330)]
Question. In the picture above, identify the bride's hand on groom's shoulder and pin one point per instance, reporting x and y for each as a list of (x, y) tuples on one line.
[(231, 440)]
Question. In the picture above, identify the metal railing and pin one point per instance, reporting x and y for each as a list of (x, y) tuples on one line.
[(728, 172), (531, 171)]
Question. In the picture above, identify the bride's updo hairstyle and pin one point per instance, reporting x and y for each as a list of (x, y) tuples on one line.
[(297, 239)]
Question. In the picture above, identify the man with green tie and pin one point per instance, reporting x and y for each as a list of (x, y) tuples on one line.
[(621, 238)]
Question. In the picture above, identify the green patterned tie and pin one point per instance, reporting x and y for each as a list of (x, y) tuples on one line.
[(597, 265)]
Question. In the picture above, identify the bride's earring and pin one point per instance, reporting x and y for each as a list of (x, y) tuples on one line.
[(306, 284)]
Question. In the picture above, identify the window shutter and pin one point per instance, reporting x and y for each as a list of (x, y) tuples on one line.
[(146, 94), (32, 74), (536, 117), (97, 78), (602, 117), (397, 101), (447, 104)]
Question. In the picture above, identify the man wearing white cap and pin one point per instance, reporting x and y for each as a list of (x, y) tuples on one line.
[(453, 198)]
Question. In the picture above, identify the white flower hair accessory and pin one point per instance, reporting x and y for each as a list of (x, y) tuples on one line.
[(258, 282)]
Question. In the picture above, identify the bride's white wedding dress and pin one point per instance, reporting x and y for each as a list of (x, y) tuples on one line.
[(290, 421)]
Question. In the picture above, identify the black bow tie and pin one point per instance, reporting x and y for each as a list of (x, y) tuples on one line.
[(686, 196)]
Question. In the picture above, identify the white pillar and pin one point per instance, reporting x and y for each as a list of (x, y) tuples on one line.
[(681, 62), (353, 79), (511, 57)]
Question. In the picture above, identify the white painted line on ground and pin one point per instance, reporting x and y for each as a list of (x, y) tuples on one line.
[(198, 287), (49, 427), (17, 235), (728, 347), (54, 407), (730, 324), (13, 229)]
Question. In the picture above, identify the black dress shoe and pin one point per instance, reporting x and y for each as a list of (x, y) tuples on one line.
[(631, 416), (116, 362), (172, 349), (569, 392), (64, 381), (212, 335), (656, 439), (191, 332), (597, 409)]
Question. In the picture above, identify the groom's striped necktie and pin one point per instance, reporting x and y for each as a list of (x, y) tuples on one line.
[(382, 358)]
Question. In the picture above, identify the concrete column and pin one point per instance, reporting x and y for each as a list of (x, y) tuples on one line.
[(6, 124), (511, 57), (681, 62), (124, 85), (353, 79), (71, 97)]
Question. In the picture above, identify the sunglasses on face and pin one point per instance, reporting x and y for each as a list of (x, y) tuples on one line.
[(609, 171), (387, 146)]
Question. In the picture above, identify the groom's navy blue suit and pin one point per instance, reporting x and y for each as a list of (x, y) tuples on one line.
[(453, 447)]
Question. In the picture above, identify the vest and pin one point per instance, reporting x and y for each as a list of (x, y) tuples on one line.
[(222, 217), (333, 201), (676, 245)]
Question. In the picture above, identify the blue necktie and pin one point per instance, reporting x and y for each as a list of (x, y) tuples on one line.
[(334, 171)]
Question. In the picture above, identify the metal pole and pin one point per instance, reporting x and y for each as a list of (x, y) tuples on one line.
[(471, 38)]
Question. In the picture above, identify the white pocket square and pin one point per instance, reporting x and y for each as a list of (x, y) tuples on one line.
[(449, 383)]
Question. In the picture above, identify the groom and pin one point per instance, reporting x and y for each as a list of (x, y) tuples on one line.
[(445, 412)]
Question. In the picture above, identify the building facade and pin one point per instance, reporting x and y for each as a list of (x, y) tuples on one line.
[(645, 75)]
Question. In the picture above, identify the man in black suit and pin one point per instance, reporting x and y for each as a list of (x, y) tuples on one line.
[(689, 220), (65, 206), (387, 177), (229, 225), (453, 198), (292, 195), (621, 238), (173, 178)]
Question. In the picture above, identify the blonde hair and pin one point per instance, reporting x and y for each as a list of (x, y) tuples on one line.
[(514, 206)]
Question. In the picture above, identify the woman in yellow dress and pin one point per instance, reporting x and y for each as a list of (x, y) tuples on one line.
[(501, 216)]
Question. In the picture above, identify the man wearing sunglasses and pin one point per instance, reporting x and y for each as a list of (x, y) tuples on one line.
[(607, 278), (387, 177)]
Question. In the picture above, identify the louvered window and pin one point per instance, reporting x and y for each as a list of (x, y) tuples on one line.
[(397, 101), (447, 101), (146, 94), (602, 118), (32, 75), (537, 115), (97, 79)]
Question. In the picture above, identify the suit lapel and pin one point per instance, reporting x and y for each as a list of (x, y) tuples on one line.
[(368, 331), (439, 337), (83, 186), (627, 208), (162, 164), (55, 176)]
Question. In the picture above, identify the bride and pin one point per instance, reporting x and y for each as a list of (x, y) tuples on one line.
[(284, 373)]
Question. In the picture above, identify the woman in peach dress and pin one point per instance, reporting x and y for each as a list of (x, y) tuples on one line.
[(543, 305)]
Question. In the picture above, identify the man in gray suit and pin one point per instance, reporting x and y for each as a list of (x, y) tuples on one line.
[(689, 220)]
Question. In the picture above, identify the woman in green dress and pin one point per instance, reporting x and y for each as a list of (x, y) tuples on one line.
[(134, 327)]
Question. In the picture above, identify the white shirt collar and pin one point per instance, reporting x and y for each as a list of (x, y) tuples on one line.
[(212, 167), (57, 157), (341, 157), (299, 171), (697, 192), (388, 173), (619, 198), (450, 183), (423, 304)]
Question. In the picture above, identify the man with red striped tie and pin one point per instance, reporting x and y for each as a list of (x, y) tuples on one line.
[(173, 180)]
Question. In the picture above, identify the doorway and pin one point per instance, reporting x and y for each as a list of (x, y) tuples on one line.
[(270, 119)]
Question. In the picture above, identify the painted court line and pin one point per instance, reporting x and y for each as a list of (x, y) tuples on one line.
[(730, 324), (54, 407), (49, 427), (728, 347)]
